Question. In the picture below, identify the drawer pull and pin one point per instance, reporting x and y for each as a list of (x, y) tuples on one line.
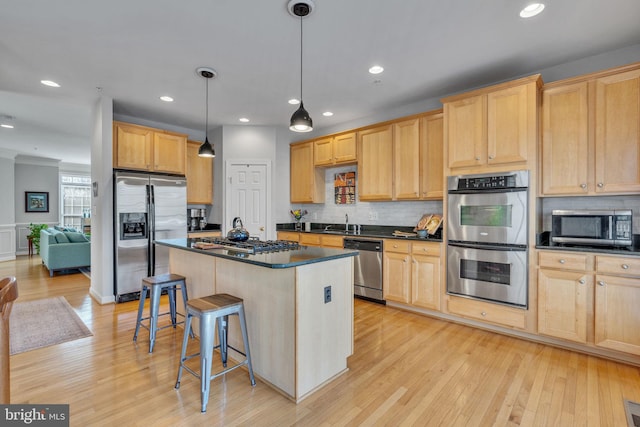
[(583, 186), (600, 283), (600, 185), (581, 281), (625, 266), (395, 246), (561, 261), (483, 314)]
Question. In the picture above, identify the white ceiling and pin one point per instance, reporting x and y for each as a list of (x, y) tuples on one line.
[(136, 51)]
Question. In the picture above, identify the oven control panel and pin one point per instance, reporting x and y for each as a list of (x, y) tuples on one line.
[(489, 182)]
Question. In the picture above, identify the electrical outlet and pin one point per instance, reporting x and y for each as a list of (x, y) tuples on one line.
[(373, 215), (327, 294)]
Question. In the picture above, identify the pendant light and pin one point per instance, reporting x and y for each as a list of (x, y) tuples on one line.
[(300, 120), (206, 149)]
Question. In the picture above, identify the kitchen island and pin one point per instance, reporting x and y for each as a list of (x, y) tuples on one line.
[(298, 305)]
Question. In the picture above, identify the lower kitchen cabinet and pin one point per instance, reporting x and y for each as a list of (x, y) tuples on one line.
[(289, 235), (487, 312), (617, 298), (412, 273), (590, 299)]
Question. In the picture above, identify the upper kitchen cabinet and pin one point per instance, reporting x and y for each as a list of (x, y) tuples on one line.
[(406, 159), (431, 170), (375, 163), (591, 134), (142, 148), (306, 182), (335, 150), (199, 176), (493, 126)]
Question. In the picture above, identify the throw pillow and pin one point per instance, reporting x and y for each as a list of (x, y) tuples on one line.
[(61, 238), (75, 237)]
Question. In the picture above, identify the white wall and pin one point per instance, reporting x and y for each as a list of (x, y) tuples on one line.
[(102, 203), (7, 209)]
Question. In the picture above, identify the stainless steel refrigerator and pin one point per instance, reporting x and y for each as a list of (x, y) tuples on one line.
[(146, 207)]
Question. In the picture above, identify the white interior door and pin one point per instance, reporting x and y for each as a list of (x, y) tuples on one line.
[(247, 187)]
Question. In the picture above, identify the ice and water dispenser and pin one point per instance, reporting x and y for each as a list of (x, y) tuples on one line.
[(133, 225)]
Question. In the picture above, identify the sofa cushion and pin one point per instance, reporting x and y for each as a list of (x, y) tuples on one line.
[(75, 237), (60, 228), (61, 238)]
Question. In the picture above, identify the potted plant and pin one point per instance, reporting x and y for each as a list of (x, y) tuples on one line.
[(34, 235)]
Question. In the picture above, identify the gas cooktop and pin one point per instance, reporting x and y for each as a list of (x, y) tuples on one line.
[(255, 246)]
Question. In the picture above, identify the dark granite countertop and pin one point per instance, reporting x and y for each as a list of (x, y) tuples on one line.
[(284, 259), (208, 228), (371, 231), (545, 243)]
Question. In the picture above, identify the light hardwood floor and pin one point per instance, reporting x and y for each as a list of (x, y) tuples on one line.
[(407, 369)]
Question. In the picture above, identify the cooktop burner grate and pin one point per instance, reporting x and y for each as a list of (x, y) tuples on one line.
[(255, 246)]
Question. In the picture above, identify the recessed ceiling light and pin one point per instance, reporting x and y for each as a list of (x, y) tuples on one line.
[(6, 126), (327, 114), (376, 69), (49, 83), (166, 98), (294, 101), (532, 10), (243, 120)]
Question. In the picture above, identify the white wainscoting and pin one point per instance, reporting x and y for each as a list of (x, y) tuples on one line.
[(7, 242), (22, 244)]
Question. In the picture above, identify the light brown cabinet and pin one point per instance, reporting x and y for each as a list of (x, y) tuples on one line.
[(617, 298), (431, 160), (411, 273), (590, 299), (199, 176), (406, 159), (565, 289), (591, 134), (492, 126), (292, 236), (306, 182), (335, 150), (375, 163), (142, 148), (204, 234)]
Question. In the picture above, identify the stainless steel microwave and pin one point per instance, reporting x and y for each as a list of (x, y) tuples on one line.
[(592, 227)]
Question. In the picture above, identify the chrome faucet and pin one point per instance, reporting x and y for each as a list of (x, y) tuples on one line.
[(346, 222)]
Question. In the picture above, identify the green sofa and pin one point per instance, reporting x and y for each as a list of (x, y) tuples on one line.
[(63, 250)]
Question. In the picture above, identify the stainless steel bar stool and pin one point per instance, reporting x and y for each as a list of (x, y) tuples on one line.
[(156, 284), (214, 310)]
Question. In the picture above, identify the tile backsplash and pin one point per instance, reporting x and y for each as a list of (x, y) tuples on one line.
[(374, 213)]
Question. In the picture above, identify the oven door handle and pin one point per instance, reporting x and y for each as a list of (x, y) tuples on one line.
[(488, 247)]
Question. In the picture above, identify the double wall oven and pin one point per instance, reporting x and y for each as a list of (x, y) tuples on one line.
[(487, 243)]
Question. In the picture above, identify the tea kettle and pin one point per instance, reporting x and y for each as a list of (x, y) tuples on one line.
[(238, 233)]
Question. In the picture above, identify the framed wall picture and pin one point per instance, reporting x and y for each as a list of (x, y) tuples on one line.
[(35, 201)]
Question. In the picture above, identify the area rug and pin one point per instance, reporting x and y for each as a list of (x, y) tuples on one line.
[(44, 322)]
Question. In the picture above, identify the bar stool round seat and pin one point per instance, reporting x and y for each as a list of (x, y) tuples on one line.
[(156, 285), (212, 311)]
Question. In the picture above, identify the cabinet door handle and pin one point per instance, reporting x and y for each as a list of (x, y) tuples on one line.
[(583, 186), (404, 260), (477, 158), (624, 266), (600, 283), (600, 185), (490, 157), (581, 281), (483, 314), (561, 261)]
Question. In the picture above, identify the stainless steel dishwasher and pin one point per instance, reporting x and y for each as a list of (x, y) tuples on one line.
[(367, 277)]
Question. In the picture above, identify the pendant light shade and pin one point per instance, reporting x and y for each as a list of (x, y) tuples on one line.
[(206, 149), (300, 120)]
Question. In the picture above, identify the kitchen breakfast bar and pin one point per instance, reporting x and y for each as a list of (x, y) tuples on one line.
[(298, 305)]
